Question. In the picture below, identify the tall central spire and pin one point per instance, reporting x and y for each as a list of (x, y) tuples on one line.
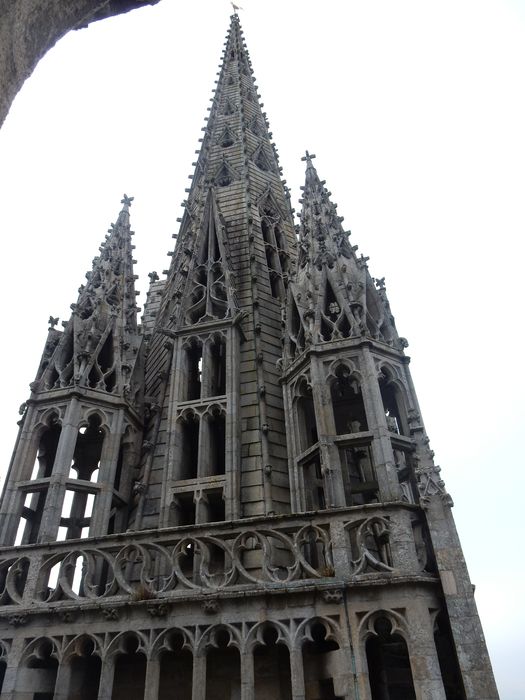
[(222, 305), (237, 164)]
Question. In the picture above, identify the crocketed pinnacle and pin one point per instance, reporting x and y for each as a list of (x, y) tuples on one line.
[(235, 173), (100, 344), (332, 295)]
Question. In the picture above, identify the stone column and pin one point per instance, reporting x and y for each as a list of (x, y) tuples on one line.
[(206, 372), (423, 654), (108, 467), (232, 489), (297, 674), (340, 549), (402, 544), (24, 455), (13, 664), (152, 678), (247, 676), (107, 673), (328, 450), (204, 465), (63, 681), (199, 677), (382, 451), (57, 482)]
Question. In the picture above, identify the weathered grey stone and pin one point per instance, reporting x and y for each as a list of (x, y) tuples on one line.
[(268, 521)]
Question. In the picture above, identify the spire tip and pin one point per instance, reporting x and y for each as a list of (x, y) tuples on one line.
[(308, 157), (126, 201)]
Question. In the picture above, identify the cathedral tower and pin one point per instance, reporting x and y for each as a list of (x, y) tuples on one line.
[(237, 498)]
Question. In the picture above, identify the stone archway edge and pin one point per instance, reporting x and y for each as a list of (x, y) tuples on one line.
[(29, 28)]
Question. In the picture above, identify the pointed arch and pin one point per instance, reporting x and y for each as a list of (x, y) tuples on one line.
[(304, 411), (130, 650), (296, 329), (335, 319), (393, 395), (319, 640), (388, 657), (222, 644), (174, 649), (227, 137), (225, 175), (40, 662), (270, 645), (275, 244), (211, 295), (347, 399), (83, 654), (262, 160)]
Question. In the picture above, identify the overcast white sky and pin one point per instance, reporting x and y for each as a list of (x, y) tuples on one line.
[(416, 111)]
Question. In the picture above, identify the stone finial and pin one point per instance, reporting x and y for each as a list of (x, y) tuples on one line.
[(308, 157)]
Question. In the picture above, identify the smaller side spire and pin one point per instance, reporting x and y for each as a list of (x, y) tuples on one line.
[(100, 344), (332, 295)]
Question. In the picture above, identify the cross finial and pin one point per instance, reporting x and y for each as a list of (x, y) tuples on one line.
[(308, 157), (126, 201)]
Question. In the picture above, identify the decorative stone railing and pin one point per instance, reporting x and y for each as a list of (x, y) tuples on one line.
[(346, 545)]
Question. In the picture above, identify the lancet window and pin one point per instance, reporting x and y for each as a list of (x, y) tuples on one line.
[(215, 454), (261, 160), (102, 374), (217, 370), (60, 372), (314, 493), (130, 671), (402, 460), (189, 451), (193, 371), (118, 520), (271, 665), (334, 322), (379, 320), (34, 501), (347, 403), (204, 368), (79, 499), (223, 667), (184, 510), (227, 138), (359, 477), (306, 423), (392, 404), (208, 298), (85, 672), (47, 450), (388, 660), (202, 444), (275, 248), (176, 668), (40, 669), (320, 659)]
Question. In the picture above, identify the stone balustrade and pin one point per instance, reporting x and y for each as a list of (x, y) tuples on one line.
[(346, 545)]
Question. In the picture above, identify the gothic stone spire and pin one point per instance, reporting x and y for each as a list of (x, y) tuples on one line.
[(228, 278), (99, 346), (332, 295)]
